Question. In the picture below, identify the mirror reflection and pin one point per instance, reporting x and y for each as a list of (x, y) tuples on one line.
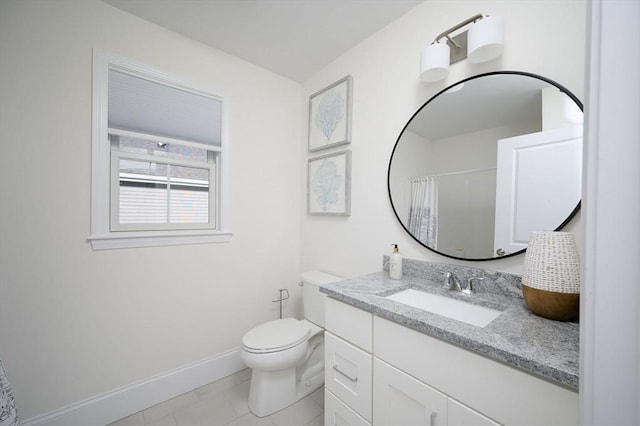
[(487, 161)]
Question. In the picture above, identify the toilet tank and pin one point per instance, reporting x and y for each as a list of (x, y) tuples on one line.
[(312, 298)]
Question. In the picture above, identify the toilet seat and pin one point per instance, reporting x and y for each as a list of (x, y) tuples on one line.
[(276, 336)]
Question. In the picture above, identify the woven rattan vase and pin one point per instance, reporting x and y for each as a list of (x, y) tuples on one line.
[(551, 276)]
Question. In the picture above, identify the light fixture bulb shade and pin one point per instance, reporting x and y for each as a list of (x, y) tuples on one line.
[(434, 64), (485, 39)]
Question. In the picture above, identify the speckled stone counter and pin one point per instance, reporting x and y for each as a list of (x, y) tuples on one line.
[(517, 337)]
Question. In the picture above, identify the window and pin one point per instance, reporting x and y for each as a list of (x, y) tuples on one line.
[(158, 159), (160, 185)]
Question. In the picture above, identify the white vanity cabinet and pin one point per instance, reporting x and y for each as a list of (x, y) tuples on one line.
[(348, 344), (399, 399), (485, 390), (380, 373)]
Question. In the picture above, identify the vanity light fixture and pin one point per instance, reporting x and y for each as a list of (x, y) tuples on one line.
[(482, 42)]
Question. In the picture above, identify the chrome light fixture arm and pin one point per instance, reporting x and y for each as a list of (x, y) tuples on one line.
[(464, 23)]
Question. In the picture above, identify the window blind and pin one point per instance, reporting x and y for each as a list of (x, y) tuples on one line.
[(145, 106)]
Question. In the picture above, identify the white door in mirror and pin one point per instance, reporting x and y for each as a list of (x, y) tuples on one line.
[(522, 184)]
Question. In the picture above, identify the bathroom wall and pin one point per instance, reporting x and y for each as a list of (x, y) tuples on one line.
[(545, 37), (75, 323)]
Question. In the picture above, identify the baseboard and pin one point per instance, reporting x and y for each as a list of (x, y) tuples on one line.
[(111, 406)]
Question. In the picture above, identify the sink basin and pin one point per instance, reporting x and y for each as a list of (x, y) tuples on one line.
[(469, 313)]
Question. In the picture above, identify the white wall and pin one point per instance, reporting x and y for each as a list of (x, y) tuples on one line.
[(610, 295), (545, 37), (75, 323)]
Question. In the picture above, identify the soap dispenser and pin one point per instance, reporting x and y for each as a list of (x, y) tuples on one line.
[(395, 264)]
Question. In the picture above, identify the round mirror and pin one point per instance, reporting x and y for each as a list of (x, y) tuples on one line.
[(487, 161)]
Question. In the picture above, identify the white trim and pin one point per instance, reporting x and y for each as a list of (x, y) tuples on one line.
[(100, 146), (127, 400), (118, 240), (101, 235), (610, 296), (163, 160), (589, 227), (162, 139), (222, 166)]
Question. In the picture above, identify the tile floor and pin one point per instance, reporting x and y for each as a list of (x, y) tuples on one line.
[(224, 403)]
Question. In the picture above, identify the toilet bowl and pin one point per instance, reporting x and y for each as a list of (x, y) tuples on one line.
[(287, 355)]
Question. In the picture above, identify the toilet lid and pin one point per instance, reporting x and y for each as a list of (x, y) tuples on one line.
[(277, 334)]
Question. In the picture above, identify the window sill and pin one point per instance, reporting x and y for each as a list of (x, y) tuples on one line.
[(120, 240)]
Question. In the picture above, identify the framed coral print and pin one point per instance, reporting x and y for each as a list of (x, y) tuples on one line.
[(329, 184), (330, 116)]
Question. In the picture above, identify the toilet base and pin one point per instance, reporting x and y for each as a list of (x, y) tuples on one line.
[(272, 391)]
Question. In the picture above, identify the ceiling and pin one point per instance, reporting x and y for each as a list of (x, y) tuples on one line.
[(293, 38), (480, 104)]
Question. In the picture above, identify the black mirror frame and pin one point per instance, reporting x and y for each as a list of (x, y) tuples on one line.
[(523, 73)]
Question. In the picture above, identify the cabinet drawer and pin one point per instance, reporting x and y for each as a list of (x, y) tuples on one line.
[(352, 324), (347, 374), (399, 399), (336, 413), (461, 415)]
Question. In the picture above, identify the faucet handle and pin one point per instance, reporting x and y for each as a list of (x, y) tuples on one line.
[(451, 281), (469, 289), (447, 279)]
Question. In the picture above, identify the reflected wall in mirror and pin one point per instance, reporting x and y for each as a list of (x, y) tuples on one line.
[(485, 162)]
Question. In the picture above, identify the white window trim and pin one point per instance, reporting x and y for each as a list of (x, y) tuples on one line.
[(102, 238)]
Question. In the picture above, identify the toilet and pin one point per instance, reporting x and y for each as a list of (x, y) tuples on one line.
[(287, 355)]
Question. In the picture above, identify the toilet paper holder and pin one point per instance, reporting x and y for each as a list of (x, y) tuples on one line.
[(284, 295)]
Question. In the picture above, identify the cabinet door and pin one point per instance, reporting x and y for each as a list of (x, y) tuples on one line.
[(399, 399), (461, 415), (347, 374), (336, 413)]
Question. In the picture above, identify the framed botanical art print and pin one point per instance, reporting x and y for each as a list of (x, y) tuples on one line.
[(330, 116), (329, 184)]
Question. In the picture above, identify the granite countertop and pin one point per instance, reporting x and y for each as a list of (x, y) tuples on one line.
[(517, 337)]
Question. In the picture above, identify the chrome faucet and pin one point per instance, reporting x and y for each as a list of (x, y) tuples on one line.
[(453, 284), (451, 281), (469, 289)]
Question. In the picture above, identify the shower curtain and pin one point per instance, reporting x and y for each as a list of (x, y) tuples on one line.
[(423, 210), (8, 411)]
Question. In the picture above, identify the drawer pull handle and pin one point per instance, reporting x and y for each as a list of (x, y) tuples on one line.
[(354, 380), (432, 420)]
